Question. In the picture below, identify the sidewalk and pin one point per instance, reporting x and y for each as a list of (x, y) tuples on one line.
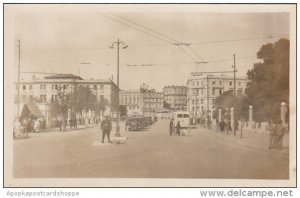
[(56, 130), (250, 139)]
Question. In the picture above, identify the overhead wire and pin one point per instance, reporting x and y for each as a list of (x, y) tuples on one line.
[(158, 35), (162, 35), (126, 24)]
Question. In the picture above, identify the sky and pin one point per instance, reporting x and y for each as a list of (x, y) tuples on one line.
[(55, 41)]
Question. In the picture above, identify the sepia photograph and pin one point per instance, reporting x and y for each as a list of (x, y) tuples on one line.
[(149, 95)]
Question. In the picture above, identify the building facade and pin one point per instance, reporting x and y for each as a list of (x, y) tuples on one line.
[(204, 89), (176, 97), (141, 101), (43, 91)]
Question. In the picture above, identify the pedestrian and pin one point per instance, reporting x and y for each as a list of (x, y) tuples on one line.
[(18, 128), (64, 123), (178, 128), (106, 128), (208, 123), (59, 123), (236, 125), (36, 126), (25, 124), (272, 129), (171, 126), (222, 125), (279, 134), (229, 129)]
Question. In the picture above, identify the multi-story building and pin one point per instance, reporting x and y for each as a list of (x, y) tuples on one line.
[(204, 89), (176, 97), (141, 101), (44, 90)]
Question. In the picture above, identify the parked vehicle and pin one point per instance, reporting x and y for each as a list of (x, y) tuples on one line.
[(135, 124), (148, 120), (183, 117)]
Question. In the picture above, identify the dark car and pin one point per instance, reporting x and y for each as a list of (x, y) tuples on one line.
[(134, 124), (148, 121)]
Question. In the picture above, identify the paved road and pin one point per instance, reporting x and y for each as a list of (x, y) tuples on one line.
[(147, 154)]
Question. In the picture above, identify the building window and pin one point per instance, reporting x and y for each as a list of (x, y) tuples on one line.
[(30, 87), (220, 82), (220, 91), (101, 87), (197, 83), (213, 91), (56, 87), (213, 82), (24, 87), (201, 91), (230, 83), (65, 87), (95, 86), (239, 83), (201, 101)]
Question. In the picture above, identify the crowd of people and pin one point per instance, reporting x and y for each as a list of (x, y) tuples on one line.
[(27, 125), (277, 131), (174, 129)]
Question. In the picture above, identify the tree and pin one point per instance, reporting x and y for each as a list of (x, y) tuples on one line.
[(82, 98), (60, 106), (79, 99), (269, 80), (227, 100)]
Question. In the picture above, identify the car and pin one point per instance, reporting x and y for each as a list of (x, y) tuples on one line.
[(148, 120), (134, 124)]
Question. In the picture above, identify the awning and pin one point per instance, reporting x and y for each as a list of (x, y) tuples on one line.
[(31, 109)]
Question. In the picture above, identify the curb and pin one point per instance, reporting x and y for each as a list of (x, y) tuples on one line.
[(243, 144)]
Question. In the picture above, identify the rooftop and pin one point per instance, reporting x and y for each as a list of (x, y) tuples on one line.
[(63, 76)]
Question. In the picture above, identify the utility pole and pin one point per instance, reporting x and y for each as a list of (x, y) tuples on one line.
[(124, 46), (19, 64), (234, 93)]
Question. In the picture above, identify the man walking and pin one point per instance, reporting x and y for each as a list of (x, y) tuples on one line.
[(171, 126), (279, 134), (106, 128), (272, 129)]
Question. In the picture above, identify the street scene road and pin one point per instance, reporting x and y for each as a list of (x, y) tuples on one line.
[(150, 153), (104, 91)]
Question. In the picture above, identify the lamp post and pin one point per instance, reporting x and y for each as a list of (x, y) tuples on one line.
[(118, 43)]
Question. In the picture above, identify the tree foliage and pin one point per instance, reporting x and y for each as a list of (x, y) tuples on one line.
[(227, 100), (81, 98), (269, 80)]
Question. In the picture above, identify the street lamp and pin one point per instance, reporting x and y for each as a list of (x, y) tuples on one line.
[(119, 44)]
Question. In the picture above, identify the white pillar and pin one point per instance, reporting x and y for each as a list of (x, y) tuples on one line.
[(211, 114), (232, 117), (250, 116), (220, 115), (283, 111)]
